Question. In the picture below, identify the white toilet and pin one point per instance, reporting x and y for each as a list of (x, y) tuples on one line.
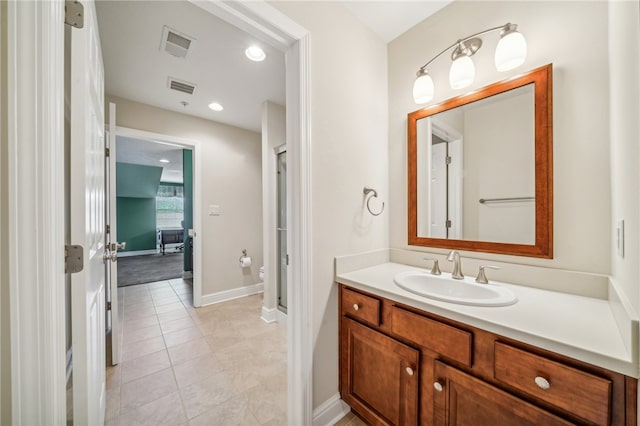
[(261, 273)]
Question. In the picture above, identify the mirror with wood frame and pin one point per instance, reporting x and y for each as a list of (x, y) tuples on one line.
[(481, 169)]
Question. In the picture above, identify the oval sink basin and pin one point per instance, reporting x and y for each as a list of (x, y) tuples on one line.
[(463, 292)]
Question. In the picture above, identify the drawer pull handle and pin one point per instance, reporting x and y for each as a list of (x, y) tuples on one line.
[(355, 307), (437, 386), (410, 371), (542, 383)]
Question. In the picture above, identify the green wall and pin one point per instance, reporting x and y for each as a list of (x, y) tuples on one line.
[(136, 181), (187, 177), (137, 222), (136, 190)]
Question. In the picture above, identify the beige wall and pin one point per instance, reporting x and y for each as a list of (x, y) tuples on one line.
[(349, 148), (5, 340), (580, 100), (274, 132), (624, 45), (231, 178)]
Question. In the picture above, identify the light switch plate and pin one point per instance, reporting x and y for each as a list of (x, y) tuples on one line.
[(620, 238), (214, 210)]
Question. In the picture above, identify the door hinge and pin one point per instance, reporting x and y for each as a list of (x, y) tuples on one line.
[(107, 229), (287, 259), (107, 152), (73, 259), (74, 13), (448, 224), (447, 159), (108, 306)]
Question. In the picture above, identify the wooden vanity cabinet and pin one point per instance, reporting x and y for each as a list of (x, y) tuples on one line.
[(402, 366), (379, 376), (464, 400)]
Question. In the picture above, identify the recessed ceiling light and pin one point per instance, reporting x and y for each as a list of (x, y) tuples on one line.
[(255, 53), (164, 160), (216, 106)]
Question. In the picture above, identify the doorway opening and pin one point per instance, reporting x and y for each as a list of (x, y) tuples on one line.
[(154, 203)]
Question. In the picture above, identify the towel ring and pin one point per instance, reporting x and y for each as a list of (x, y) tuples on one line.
[(374, 194)]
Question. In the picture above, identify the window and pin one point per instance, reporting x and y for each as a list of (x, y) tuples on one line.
[(170, 206)]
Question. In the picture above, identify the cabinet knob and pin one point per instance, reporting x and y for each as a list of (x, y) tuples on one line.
[(410, 371), (542, 383), (437, 386), (355, 307)]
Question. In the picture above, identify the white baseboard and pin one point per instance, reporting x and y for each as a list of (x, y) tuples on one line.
[(136, 253), (268, 315), (329, 412), (281, 317), (223, 296)]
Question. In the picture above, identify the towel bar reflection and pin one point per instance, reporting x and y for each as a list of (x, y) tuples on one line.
[(370, 193), (505, 200)]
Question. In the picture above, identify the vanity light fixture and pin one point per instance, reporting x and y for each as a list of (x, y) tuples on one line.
[(510, 53), (255, 53), (215, 106)]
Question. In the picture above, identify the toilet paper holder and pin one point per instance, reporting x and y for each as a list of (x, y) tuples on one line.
[(243, 257)]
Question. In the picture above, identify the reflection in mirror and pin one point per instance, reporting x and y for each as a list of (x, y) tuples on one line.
[(481, 169), (476, 170)]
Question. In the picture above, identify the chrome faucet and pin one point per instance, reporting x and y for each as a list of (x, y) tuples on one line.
[(436, 268), (454, 257)]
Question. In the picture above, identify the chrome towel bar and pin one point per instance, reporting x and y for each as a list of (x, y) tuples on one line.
[(506, 200)]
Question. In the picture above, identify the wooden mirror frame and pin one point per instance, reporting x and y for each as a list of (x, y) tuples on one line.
[(543, 247)]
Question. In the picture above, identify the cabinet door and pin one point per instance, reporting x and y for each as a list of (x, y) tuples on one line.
[(464, 400), (379, 375)]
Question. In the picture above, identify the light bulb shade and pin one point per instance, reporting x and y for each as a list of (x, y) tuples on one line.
[(511, 51), (462, 72), (423, 88)]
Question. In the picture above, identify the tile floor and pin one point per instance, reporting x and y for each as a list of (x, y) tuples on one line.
[(217, 365), (350, 420)]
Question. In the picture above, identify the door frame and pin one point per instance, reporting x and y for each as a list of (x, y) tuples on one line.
[(195, 146), (35, 119), (36, 192)]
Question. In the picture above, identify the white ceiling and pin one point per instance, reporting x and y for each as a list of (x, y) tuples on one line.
[(136, 69), (389, 19), (148, 153)]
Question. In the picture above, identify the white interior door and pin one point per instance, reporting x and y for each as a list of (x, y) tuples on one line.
[(87, 210), (113, 314), (438, 186)]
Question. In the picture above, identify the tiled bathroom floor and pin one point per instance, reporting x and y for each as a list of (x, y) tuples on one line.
[(217, 365)]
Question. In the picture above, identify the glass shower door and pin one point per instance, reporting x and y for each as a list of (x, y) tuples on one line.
[(283, 257)]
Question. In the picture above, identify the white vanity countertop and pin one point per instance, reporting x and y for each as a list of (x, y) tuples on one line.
[(579, 327)]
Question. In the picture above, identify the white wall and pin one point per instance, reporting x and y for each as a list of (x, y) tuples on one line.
[(273, 135), (231, 178), (553, 30), (349, 151), (624, 45)]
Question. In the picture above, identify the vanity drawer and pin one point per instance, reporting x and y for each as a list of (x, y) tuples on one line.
[(360, 306), (446, 340), (583, 394)]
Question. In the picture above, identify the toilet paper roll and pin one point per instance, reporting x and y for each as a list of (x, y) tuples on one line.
[(245, 261)]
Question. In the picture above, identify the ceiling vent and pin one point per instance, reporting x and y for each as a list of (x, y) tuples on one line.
[(176, 43), (181, 86)]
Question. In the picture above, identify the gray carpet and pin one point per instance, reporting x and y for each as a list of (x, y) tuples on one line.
[(146, 269)]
